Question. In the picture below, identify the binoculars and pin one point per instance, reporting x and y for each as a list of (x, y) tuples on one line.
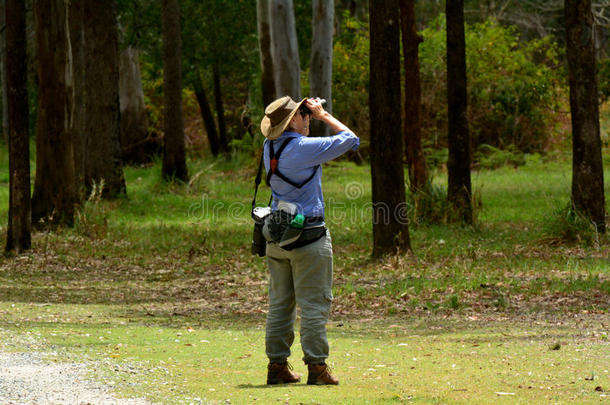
[(304, 110)]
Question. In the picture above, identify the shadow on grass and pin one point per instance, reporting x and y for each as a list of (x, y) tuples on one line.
[(250, 386)]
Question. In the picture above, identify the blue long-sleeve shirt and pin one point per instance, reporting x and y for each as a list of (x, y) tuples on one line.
[(298, 161)]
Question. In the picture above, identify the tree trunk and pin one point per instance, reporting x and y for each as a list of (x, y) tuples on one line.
[(174, 158), (102, 148), (206, 114), (321, 69), (220, 111), (458, 167), (54, 196), (79, 120), (264, 45), (390, 222), (411, 113), (587, 164), (3, 73), (285, 49), (19, 214), (135, 144)]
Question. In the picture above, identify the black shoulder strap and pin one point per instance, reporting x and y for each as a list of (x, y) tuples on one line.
[(257, 180), (274, 158)]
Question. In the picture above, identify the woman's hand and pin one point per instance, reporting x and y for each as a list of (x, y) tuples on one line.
[(317, 111)]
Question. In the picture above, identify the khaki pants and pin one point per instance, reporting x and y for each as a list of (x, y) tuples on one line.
[(303, 277)]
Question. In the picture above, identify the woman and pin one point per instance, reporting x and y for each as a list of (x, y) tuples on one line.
[(302, 275)]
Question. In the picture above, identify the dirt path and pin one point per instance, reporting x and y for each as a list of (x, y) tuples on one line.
[(27, 378)]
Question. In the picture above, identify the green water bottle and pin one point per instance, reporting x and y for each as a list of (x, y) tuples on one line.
[(298, 221)]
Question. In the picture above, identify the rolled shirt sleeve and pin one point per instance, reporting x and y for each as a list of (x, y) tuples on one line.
[(315, 151)]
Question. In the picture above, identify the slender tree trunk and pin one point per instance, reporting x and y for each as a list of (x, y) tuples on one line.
[(220, 111), (79, 120), (458, 167), (264, 45), (102, 148), (174, 156), (321, 69), (54, 196), (285, 49), (390, 222), (19, 214), (134, 121), (3, 73), (587, 164), (206, 114), (411, 113)]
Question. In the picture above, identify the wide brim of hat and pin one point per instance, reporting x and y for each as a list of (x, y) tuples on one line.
[(270, 132)]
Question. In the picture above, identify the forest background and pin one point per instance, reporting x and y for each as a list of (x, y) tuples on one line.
[(158, 264)]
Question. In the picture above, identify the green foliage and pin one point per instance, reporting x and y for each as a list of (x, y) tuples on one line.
[(569, 226), (429, 206), (351, 75), (512, 86), (489, 157)]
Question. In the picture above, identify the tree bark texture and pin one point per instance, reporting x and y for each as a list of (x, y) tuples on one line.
[(390, 221), (206, 114), (264, 46), (102, 148), (411, 113), (54, 197), (587, 164), (220, 110), (321, 68), (174, 158), (135, 143), (285, 50), (20, 214), (78, 129), (458, 167), (3, 79)]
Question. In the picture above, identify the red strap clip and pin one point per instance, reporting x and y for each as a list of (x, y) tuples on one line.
[(273, 165)]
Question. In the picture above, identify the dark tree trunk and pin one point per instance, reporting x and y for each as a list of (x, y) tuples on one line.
[(102, 148), (587, 164), (264, 45), (174, 156), (206, 114), (136, 146), (220, 111), (3, 73), (54, 196), (458, 167), (418, 173), (77, 40), (19, 214), (390, 229)]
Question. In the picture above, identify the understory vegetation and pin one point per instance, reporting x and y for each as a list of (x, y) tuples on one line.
[(160, 289)]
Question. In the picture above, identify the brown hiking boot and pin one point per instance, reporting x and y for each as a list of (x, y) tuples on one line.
[(281, 373), (319, 374)]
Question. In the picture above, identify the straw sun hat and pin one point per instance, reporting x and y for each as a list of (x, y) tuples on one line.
[(278, 115)]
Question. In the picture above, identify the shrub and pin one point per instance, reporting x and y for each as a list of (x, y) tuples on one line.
[(512, 86), (567, 225), (489, 157), (351, 75)]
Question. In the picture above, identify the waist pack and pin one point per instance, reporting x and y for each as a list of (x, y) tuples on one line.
[(277, 229)]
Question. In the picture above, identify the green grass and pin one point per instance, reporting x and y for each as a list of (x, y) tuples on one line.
[(179, 359), (160, 291)]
